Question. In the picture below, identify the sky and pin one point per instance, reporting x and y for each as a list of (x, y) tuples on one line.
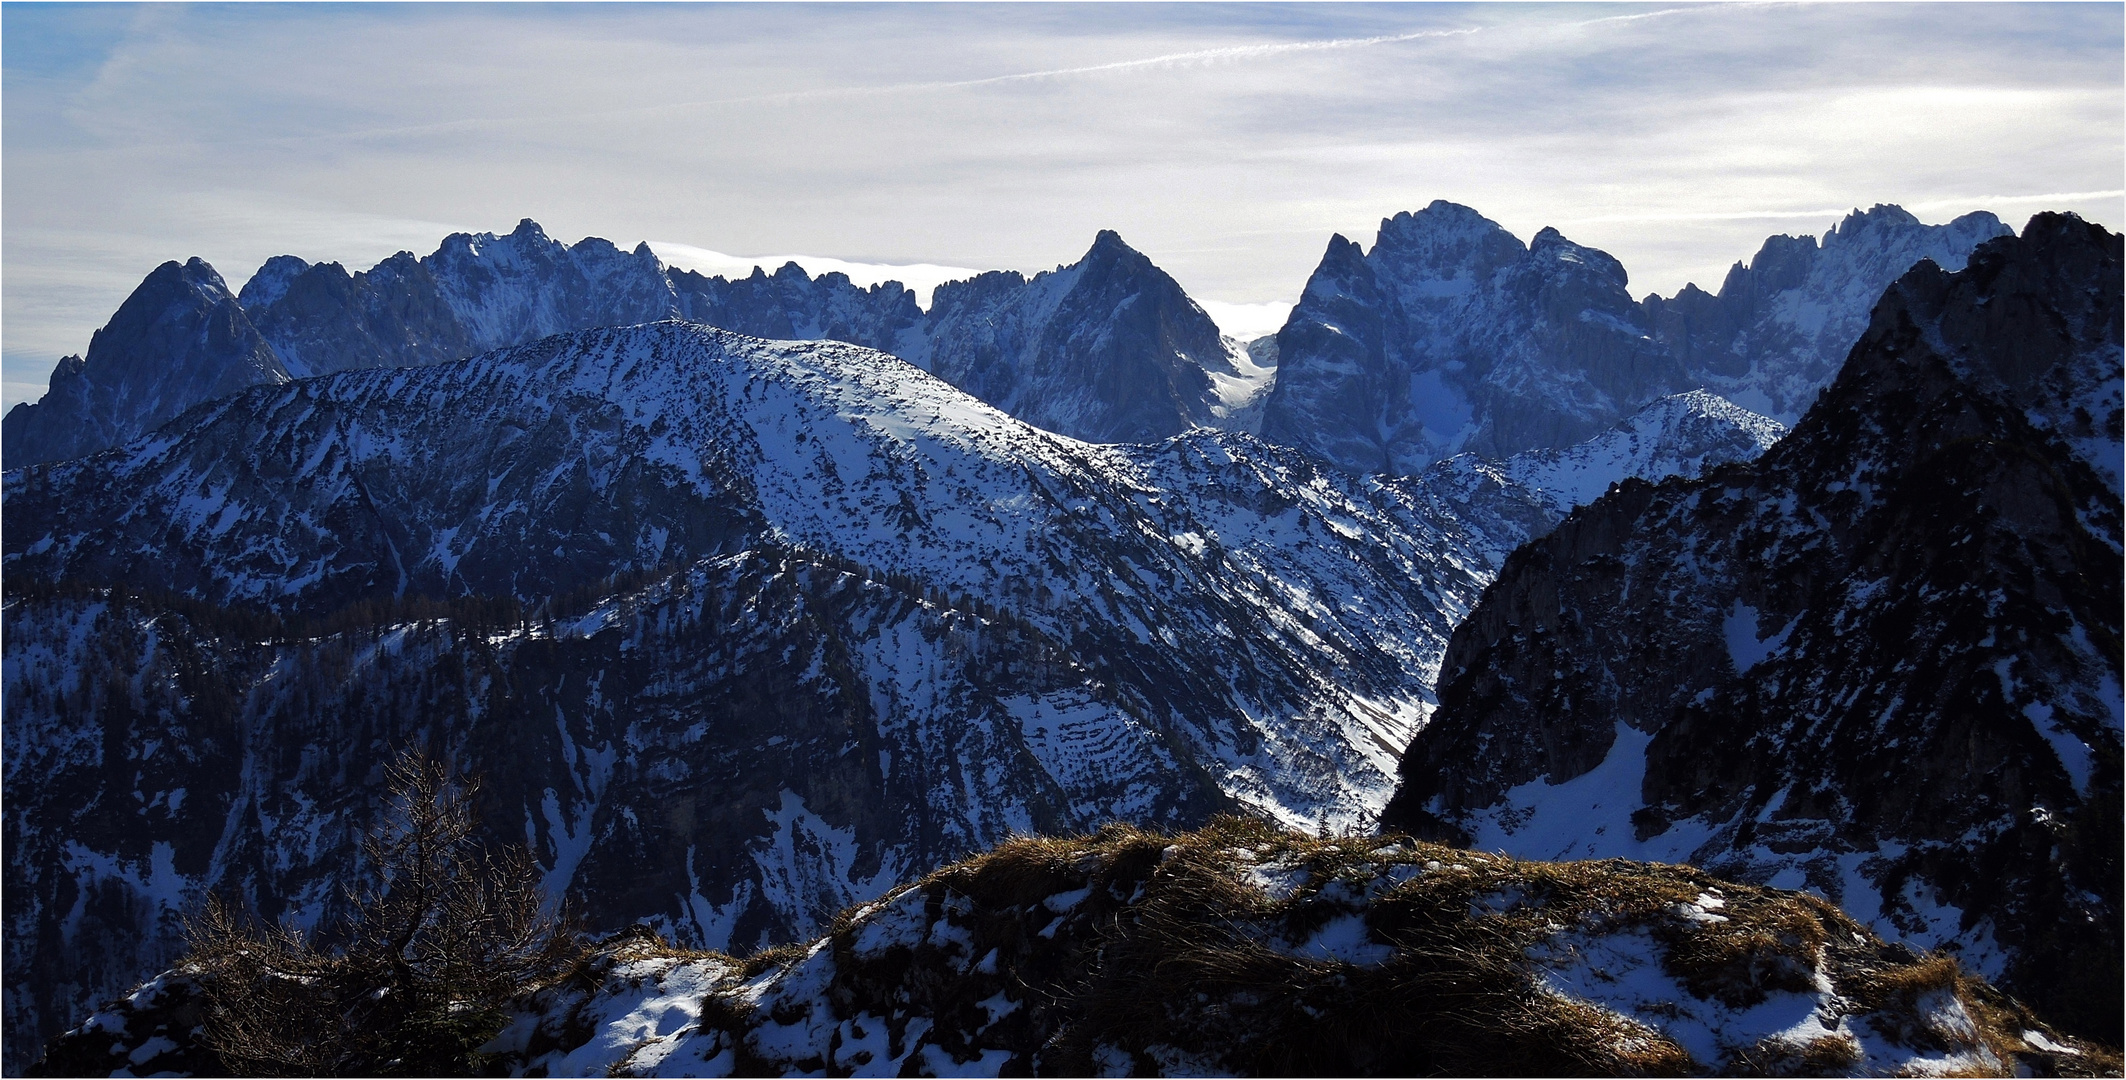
[(922, 142)]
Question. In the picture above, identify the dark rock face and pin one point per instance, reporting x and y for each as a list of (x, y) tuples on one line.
[(1107, 349), (1450, 335), (475, 293), (788, 305), (1882, 661), (1776, 333), (180, 339), (321, 319)]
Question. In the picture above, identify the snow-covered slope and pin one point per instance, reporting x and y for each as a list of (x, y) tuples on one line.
[(866, 623), (1683, 435), (1881, 662)]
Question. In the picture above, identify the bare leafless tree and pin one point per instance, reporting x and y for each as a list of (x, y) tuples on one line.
[(443, 931)]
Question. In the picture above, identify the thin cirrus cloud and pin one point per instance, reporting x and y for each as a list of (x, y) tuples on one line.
[(914, 142), (2001, 201)]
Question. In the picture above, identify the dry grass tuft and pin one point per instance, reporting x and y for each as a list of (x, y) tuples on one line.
[(1244, 948)]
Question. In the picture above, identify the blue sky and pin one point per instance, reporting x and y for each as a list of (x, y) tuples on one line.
[(1228, 143)]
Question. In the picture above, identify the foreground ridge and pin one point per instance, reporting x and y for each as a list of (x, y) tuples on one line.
[(1244, 948)]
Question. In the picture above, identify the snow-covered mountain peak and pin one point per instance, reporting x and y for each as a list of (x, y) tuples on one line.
[(271, 281), (1108, 348), (1444, 242), (1551, 246)]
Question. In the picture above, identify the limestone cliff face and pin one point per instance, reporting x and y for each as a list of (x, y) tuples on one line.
[(1451, 335), (1882, 660), (179, 339), (1107, 349)]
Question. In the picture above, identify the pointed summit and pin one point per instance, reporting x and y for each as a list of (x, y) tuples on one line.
[(1106, 349), (178, 340)]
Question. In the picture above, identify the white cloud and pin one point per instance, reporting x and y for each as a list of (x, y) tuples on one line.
[(1247, 322), (1226, 143)]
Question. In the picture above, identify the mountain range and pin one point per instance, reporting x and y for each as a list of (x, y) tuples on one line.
[(839, 622), (1450, 335), (1108, 349), (744, 631)]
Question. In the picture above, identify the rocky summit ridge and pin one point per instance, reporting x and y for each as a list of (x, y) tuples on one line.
[(1450, 334), (1108, 349), (1882, 660)]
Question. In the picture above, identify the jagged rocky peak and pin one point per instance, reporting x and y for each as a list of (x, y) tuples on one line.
[(271, 281), (179, 338), (1880, 662), (1444, 242), (1105, 349), (1551, 245), (1776, 332), (1451, 335)]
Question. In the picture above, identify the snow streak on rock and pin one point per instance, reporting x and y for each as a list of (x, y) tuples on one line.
[(1880, 662)]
